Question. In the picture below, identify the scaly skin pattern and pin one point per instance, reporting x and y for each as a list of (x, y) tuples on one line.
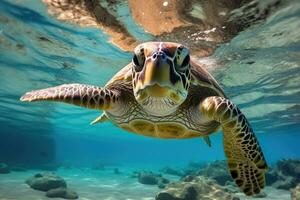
[(245, 158), (88, 96)]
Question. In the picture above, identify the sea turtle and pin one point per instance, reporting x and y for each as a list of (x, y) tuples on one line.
[(163, 93)]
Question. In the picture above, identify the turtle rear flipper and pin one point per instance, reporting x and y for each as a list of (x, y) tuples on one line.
[(102, 118), (245, 158), (207, 140), (78, 94)]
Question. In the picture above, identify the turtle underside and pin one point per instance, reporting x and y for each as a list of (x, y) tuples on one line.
[(185, 122)]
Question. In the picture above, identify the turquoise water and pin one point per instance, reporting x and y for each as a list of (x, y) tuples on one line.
[(37, 51)]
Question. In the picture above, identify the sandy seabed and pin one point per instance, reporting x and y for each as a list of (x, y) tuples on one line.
[(97, 185)]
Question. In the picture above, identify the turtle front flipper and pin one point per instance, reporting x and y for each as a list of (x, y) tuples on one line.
[(245, 158), (82, 95)]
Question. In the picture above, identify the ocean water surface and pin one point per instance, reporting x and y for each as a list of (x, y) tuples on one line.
[(258, 71)]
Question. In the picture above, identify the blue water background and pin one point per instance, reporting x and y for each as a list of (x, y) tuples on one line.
[(37, 51)]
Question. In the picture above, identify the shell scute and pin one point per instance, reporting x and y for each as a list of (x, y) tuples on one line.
[(170, 130), (143, 127)]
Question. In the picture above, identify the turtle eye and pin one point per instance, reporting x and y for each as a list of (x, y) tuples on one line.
[(138, 60), (135, 60), (184, 64), (186, 61), (137, 64)]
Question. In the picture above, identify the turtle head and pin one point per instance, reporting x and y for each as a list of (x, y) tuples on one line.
[(161, 76)]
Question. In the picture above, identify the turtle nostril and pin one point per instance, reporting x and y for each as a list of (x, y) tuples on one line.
[(154, 56), (159, 55)]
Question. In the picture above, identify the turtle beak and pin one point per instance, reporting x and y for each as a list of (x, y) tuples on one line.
[(157, 72), (155, 80)]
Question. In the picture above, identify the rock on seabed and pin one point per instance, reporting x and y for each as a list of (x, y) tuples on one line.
[(62, 193), (295, 193), (52, 184), (198, 188), (46, 181), (218, 171), (285, 174), (150, 178)]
